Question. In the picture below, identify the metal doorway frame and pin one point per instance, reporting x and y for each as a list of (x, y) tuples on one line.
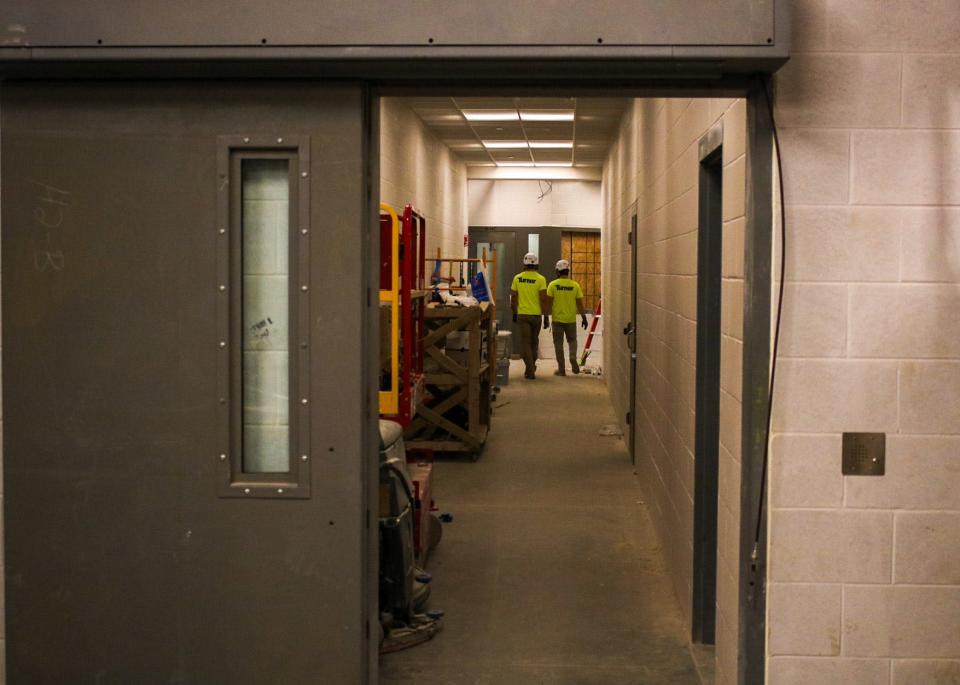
[(758, 274), (576, 76), (707, 413)]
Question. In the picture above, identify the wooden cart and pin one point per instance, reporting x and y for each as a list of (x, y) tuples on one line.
[(454, 415)]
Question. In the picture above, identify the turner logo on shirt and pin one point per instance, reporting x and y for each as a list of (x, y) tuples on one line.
[(527, 280), (565, 288)]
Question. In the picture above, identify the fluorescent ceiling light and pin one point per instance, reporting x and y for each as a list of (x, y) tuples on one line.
[(426, 116), (505, 144), (491, 114), (554, 163), (547, 115), (551, 144), (514, 163)]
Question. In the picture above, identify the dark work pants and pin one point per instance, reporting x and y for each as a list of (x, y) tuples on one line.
[(568, 331), (529, 327)]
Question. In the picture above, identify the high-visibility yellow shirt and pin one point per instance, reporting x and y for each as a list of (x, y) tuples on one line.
[(528, 285), (565, 293)]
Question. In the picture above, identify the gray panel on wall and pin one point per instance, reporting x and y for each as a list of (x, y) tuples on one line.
[(193, 23)]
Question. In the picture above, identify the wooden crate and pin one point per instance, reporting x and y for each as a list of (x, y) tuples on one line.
[(454, 415)]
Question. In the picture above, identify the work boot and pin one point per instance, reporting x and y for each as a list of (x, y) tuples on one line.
[(574, 367), (529, 375), (559, 372)]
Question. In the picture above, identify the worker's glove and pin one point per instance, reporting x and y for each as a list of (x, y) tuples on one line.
[(546, 322), (514, 317), (583, 321)]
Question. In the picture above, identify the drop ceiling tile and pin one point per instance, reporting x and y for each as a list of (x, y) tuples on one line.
[(485, 103), (503, 130), (553, 155), (554, 130), (546, 103), (511, 155)]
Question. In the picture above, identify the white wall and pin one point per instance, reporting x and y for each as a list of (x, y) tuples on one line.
[(865, 572), (653, 171), (417, 168), (519, 203)]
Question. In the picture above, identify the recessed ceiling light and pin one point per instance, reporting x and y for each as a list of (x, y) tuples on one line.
[(551, 144), (514, 163), (491, 114), (547, 115), (504, 144)]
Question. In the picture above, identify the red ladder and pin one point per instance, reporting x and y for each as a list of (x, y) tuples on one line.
[(593, 331)]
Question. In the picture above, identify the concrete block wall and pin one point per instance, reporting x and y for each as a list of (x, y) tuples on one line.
[(864, 580), (532, 203), (653, 171), (416, 167)]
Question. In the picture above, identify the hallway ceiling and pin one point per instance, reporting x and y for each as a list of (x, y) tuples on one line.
[(524, 132)]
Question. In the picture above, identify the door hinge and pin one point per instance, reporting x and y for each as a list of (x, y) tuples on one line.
[(629, 417), (630, 237)]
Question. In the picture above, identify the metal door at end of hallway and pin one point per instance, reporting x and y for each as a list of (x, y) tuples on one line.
[(184, 441), (503, 244)]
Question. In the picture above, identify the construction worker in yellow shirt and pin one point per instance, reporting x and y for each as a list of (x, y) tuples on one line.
[(566, 301), (529, 304)]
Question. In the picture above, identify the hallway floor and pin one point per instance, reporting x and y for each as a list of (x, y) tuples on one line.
[(551, 571)]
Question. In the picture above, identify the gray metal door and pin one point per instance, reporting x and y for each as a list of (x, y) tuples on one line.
[(504, 243), (631, 332), (187, 435)]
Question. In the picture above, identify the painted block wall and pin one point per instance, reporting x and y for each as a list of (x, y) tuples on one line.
[(528, 203), (416, 167), (865, 572), (653, 170)]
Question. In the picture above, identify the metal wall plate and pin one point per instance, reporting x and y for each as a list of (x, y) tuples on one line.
[(864, 454)]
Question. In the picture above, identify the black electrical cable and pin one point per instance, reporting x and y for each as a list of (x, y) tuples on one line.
[(776, 334)]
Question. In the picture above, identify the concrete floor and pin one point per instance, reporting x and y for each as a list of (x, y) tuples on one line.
[(551, 571)]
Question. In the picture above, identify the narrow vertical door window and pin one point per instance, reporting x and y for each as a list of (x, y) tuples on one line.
[(265, 315)]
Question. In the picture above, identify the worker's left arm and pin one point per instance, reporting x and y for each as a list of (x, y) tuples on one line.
[(582, 312)]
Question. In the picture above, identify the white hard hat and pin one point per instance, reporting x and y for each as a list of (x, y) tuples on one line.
[(531, 259), (563, 265)]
